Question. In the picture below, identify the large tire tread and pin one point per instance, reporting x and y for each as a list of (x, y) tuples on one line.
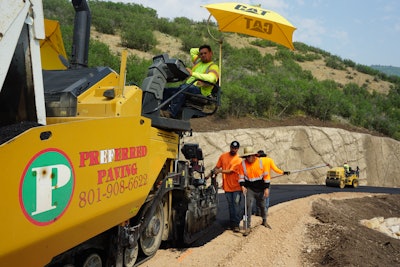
[(151, 237)]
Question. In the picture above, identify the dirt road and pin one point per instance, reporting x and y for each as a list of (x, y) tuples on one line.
[(313, 231)]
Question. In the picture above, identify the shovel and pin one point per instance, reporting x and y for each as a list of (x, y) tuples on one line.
[(245, 213)]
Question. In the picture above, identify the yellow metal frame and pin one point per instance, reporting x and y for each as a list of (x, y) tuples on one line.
[(115, 155)]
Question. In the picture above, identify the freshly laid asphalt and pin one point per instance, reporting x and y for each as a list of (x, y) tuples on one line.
[(283, 193)]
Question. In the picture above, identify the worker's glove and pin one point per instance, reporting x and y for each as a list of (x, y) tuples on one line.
[(286, 173)]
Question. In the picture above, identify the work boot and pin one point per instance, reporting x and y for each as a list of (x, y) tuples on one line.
[(236, 229), (165, 113), (246, 232), (264, 223)]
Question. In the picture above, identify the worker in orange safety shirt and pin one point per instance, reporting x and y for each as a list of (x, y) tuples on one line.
[(254, 181), (226, 166)]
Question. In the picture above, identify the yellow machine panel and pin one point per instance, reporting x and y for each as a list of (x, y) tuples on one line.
[(85, 176), (92, 175)]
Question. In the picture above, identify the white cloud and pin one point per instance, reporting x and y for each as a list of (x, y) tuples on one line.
[(310, 32)]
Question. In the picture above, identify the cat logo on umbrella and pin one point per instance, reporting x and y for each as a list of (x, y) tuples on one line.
[(258, 26), (253, 21)]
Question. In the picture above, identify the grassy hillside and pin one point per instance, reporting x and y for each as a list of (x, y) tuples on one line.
[(259, 78)]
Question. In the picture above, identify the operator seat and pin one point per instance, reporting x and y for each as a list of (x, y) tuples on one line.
[(197, 105)]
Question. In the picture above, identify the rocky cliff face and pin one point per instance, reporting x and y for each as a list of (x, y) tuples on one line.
[(299, 147)]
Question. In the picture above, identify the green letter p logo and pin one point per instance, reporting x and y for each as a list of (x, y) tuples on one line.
[(46, 187)]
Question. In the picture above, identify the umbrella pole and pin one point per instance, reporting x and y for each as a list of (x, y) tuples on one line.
[(220, 50), (220, 63)]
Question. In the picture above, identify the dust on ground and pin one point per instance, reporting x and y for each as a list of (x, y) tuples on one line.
[(320, 230)]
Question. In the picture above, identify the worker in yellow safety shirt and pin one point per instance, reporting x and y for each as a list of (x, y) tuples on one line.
[(204, 74), (269, 164)]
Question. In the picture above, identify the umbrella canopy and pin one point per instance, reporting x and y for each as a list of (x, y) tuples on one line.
[(52, 48), (253, 21)]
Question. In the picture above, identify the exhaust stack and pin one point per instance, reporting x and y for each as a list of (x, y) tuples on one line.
[(81, 36)]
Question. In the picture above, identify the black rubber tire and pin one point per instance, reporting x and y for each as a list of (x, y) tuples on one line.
[(90, 259), (130, 256), (151, 237)]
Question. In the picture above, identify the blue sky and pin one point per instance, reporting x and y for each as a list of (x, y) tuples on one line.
[(364, 31)]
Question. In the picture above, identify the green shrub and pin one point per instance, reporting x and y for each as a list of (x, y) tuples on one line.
[(263, 43), (137, 69), (334, 63), (191, 40), (100, 55), (165, 26), (349, 63), (322, 100), (236, 101), (138, 37)]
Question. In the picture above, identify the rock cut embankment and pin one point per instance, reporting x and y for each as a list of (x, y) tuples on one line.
[(300, 147)]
